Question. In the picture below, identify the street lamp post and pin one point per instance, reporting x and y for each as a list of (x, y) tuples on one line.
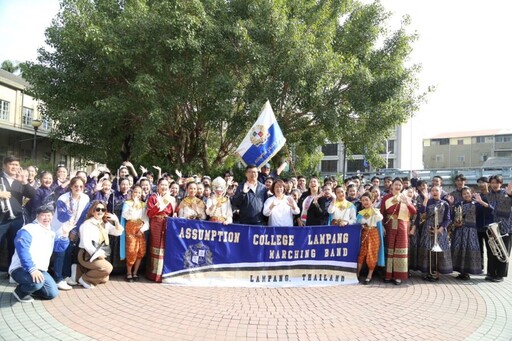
[(36, 124)]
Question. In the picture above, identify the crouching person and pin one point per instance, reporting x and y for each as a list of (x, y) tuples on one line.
[(34, 245), (93, 266)]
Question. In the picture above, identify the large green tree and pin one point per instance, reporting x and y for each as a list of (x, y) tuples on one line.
[(180, 82)]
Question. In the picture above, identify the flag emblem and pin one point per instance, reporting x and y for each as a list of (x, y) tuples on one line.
[(263, 140), (259, 135)]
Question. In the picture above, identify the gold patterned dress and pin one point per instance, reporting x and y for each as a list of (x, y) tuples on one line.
[(192, 208)]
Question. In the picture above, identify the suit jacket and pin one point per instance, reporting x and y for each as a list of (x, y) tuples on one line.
[(250, 204)]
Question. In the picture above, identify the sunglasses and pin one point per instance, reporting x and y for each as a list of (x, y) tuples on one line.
[(100, 209)]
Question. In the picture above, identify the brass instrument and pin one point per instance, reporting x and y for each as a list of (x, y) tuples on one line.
[(496, 244), (458, 215), (435, 247), (5, 204)]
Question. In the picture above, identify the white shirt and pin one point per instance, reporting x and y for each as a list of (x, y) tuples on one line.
[(89, 232), (281, 214), (41, 247)]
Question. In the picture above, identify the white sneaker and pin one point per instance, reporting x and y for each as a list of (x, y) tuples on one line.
[(62, 285), (85, 284), (70, 281), (12, 281)]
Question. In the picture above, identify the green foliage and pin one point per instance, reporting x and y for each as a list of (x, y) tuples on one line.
[(178, 83), (10, 66)]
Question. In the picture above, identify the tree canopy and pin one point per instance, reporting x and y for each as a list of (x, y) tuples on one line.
[(179, 82)]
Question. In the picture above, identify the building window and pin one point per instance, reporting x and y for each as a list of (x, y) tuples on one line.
[(28, 115), (461, 158), (355, 165), (391, 147), (47, 123), (484, 157), (329, 166), (504, 154), (459, 142), (440, 142), (504, 138), (4, 110), (480, 139), (330, 149)]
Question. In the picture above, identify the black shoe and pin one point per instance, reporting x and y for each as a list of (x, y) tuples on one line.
[(488, 278), (397, 281), (386, 280), (497, 279), (431, 278), (135, 278)]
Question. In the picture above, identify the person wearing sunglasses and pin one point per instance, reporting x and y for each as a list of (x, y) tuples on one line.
[(68, 214), (93, 266)]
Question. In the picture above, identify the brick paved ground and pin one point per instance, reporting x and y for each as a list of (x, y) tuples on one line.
[(449, 310)]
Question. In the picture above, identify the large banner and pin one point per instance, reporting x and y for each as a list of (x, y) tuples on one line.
[(212, 254)]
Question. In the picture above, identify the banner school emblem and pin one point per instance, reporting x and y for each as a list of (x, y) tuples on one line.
[(197, 255), (259, 135)]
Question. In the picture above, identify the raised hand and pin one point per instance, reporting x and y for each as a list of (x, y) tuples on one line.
[(246, 187)]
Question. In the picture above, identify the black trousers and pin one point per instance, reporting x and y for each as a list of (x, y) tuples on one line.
[(496, 268), (8, 230)]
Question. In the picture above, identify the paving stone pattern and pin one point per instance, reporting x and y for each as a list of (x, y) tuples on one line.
[(447, 310)]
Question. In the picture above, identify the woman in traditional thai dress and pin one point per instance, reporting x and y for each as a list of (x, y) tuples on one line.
[(396, 210), (160, 206), (372, 237), (342, 212), (191, 207), (218, 205), (430, 262), (466, 257), (70, 207), (280, 208), (133, 242)]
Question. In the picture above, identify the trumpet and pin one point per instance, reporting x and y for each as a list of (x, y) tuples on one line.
[(5, 204), (498, 248)]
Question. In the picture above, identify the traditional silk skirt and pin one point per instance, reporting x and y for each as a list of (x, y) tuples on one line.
[(135, 242), (369, 251), (429, 261), (466, 256), (397, 249), (157, 233)]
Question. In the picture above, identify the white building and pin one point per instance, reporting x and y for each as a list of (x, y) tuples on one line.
[(403, 150)]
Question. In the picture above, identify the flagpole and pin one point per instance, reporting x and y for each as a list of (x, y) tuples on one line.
[(291, 160)]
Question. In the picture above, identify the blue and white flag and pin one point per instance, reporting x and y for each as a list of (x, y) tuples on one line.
[(263, 140)]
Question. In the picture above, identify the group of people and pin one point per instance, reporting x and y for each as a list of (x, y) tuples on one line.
[(407, 224)]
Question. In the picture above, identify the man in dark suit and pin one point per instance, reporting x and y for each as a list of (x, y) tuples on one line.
[(12, 192), (250, 197)]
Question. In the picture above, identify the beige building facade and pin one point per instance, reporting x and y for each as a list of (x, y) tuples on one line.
[(471, 149), (19, 115)]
